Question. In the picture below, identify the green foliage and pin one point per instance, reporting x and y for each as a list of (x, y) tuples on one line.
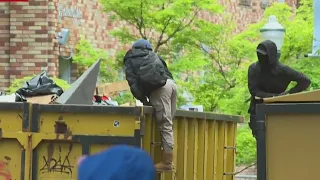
[(126, 97), (161, 18), (18, 83), (86, 55), (246, 146)]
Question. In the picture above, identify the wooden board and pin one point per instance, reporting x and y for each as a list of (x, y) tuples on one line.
[(111, 88), (307, 96)]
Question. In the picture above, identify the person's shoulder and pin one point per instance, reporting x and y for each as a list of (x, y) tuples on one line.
[(253, 65)]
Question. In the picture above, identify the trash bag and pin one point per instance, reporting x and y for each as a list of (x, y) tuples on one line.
[(40, 85)]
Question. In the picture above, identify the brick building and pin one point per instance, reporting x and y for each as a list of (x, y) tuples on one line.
[(27, 31)]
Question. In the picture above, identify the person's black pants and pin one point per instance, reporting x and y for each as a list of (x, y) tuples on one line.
[(252, 125)]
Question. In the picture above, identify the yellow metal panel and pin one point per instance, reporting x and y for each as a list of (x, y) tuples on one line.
[(202, 154), (11, 120), (190, 150), (147, 138), (91, 124), (182, 149), (230, 150), (199, 149), (211, 150), (293, 153), (57, 160), (11, 159), (220, 156), (96, 148)]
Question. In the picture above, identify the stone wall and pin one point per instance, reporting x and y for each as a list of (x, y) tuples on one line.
[(27, 31)]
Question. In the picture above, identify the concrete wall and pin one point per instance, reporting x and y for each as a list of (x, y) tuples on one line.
[(27, 31)]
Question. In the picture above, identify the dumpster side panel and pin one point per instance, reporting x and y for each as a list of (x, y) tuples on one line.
[(287, 145), (12, 159), (296, 147), (61, 134), (14, 141), (204, 147), (14, 117)]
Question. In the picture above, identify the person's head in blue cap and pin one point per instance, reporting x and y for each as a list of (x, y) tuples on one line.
[(120, 162), (142, 44)]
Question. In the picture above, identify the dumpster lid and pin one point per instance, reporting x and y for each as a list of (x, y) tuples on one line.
[(82, 90), (307, 96)]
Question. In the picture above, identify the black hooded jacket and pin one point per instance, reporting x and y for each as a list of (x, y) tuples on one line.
[(268, 77), (132, 61)]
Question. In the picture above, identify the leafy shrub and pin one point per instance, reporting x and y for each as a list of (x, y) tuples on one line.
[(246, 146)]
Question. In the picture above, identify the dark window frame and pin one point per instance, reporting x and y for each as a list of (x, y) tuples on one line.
[(245, 2)]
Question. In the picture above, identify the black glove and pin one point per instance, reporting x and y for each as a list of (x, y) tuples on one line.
[(282, 94), (146, 103)]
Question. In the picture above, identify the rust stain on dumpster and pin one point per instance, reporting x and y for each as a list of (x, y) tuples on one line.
[(4, 168)]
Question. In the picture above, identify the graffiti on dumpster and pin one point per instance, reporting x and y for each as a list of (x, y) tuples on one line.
[(60, 164), (4, 168)]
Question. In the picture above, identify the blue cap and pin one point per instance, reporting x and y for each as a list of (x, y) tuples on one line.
[(118, 162), (142, 44)]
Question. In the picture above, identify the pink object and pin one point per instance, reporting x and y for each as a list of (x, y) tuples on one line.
[(81, 159)]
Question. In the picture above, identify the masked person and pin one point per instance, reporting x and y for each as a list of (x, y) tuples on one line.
[(149, 78), (268, 78)]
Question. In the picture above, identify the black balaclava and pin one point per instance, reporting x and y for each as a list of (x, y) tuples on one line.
[(267, 55)]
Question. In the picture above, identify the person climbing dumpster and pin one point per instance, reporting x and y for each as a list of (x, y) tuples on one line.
[(149, 78), (268, 78)]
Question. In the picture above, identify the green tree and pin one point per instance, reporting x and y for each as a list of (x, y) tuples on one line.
[(165, 24), (86, 55), (298, 41), (159, 21)]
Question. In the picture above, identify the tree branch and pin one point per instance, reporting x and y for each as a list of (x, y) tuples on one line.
[(245, 168), (127, 20), (139, 23), (162, 33), (220, 68), (180, 28)]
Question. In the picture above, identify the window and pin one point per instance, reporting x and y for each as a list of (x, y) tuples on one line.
[(65, 69), (245, 2)]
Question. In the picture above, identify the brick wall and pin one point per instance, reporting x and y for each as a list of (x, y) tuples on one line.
[(27, 31)]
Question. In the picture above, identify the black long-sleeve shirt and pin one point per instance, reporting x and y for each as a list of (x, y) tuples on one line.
[(272, 78)]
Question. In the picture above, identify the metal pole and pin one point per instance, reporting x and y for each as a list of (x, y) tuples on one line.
[(316, 31)]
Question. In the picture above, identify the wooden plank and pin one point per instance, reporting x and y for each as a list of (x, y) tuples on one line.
[(111, 88)]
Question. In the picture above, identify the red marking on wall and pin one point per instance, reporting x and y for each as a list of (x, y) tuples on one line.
[(4, 167)]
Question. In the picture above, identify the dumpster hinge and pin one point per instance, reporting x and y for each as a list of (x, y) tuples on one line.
[(230, 147), (156, 143), (142, 124), (230, 173)]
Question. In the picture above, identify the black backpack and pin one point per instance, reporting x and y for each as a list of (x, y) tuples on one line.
[(152, 72)]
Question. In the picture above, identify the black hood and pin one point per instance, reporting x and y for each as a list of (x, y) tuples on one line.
[(267, 54), (134, 53)]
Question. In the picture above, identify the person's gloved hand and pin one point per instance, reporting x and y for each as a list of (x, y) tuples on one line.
[(146, 103), (282, 94)]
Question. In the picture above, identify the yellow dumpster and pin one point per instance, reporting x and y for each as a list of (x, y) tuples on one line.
[(45, 141), (287, 139), (14, 136), (63, 133), (204, 145)]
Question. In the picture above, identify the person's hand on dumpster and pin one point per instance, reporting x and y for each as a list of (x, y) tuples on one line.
[(146, 103), (282, 94)]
